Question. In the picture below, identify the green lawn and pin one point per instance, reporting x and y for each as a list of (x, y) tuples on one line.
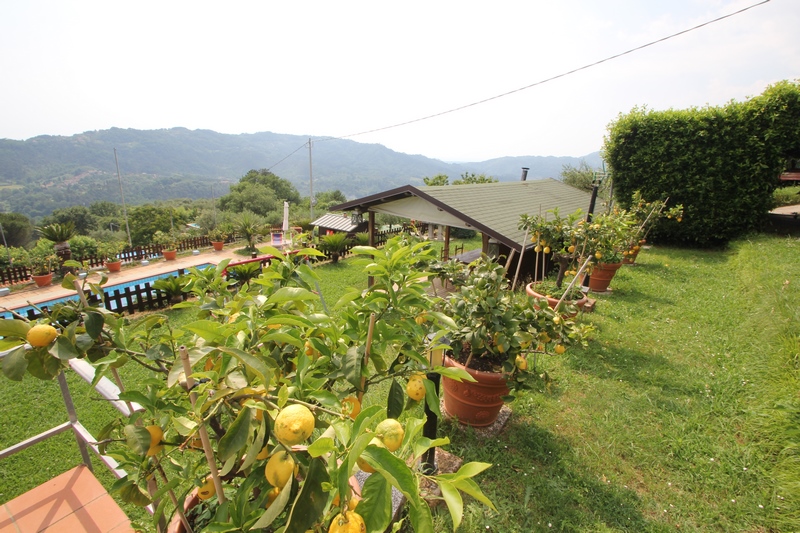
[(681, 414)]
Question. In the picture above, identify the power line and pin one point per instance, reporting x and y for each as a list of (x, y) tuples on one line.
[(287, 157), (536, 84), (573, 71)]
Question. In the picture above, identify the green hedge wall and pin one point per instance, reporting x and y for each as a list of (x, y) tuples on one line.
[(721, 163)]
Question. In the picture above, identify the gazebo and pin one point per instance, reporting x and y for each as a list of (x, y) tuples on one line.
[(493, 209)]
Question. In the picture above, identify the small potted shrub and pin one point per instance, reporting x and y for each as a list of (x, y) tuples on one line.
[(41, 261), (496, 333), (217, 237), (109, 252), (334, 245), (168, 242)]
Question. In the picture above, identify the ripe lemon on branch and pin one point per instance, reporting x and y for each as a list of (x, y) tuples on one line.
[(41, 335), (391, 433), (293, 424), (280, 468)]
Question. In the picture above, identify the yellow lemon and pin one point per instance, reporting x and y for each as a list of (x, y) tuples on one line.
[(391, 433), (156, 433), (546, 249), (598, 255), (280, 469), (41, 335), (420, 318), (207, 490), (293, 424), (571, 249), (415, 388), (560, 348), (263, 454), (351, 406), (347, 522), (272, 496), (521, 362), (363, 464)]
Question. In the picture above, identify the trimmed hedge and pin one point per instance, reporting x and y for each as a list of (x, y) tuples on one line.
[(721, 163)]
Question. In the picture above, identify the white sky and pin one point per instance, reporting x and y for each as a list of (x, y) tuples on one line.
[(325, 68)]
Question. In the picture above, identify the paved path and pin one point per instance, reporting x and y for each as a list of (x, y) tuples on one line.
[(32, 294), (787, 210)]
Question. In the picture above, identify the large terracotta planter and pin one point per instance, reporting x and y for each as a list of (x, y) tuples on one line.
[(170, 255), (43, 281), (218, 245), (601, 277), (114, 266), (552, 302), (475, 404)]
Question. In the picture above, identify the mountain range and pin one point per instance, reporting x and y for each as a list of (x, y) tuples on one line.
[(47, 172)]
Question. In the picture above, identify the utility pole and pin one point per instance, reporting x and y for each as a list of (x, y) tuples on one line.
[(124, 210), (310, 181)]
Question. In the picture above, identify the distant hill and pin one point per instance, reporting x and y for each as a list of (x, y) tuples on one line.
[(48, 172)]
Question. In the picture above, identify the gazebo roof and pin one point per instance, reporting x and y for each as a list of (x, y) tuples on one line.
[(491, 208), (337, 222)]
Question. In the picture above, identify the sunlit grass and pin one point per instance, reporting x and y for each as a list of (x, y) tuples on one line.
[(681, 414)]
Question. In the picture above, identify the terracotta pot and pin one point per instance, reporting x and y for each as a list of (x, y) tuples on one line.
[(602, 275), (217, 245), (552, 302), (43, 281), (169, 255), (114, 266), (475, 404)]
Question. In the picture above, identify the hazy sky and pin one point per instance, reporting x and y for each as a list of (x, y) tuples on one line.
[(335, 68)]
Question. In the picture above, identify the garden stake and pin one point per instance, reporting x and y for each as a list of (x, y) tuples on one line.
[(367, 350), (519, 263), (212, 463), (430, 428), (178, 507), (574, 279)]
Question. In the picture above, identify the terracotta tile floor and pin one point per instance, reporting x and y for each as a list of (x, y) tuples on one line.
[(74, 502)]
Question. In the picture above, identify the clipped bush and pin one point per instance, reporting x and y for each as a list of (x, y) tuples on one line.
[(721, 163)]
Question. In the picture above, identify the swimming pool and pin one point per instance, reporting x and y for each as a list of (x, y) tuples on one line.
[(106, 289)]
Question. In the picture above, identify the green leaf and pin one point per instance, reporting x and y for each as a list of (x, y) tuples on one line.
[(457, 374), (66, 283), (208, 330), (351, 364), (321, 446), (469, 486), (42, 365), (253, 363), (15, 364), (393, 469), (376, 505), (291, 294), (431, 398), (421, 520), (138, 439), (276, 508), (94, 323), (184, 426), (311, 500), (63, 349), (131, 493), (396, 400), (14, 328), (453, 500), (236, 436)]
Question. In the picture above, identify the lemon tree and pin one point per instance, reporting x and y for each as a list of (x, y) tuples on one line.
[(257, 402)]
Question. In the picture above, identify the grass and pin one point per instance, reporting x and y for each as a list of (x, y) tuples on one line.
[(681, 414)]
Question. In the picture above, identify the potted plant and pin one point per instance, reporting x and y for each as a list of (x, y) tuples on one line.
[(217, 237), (646, 215), (607, 237), (109, 251), (559, 241), (41, 261), (60, 234), (496, 332), (168, 242), (334, 245), (260, 407)]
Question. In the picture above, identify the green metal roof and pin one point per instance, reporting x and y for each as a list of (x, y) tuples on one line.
[(492, 208)]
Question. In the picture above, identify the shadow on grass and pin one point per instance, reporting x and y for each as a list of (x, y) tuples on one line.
[(538, 484)]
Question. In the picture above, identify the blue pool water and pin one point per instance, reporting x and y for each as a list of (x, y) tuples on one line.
[(107, 288)]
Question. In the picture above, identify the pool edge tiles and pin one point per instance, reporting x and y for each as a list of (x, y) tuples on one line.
[(23, 310)]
